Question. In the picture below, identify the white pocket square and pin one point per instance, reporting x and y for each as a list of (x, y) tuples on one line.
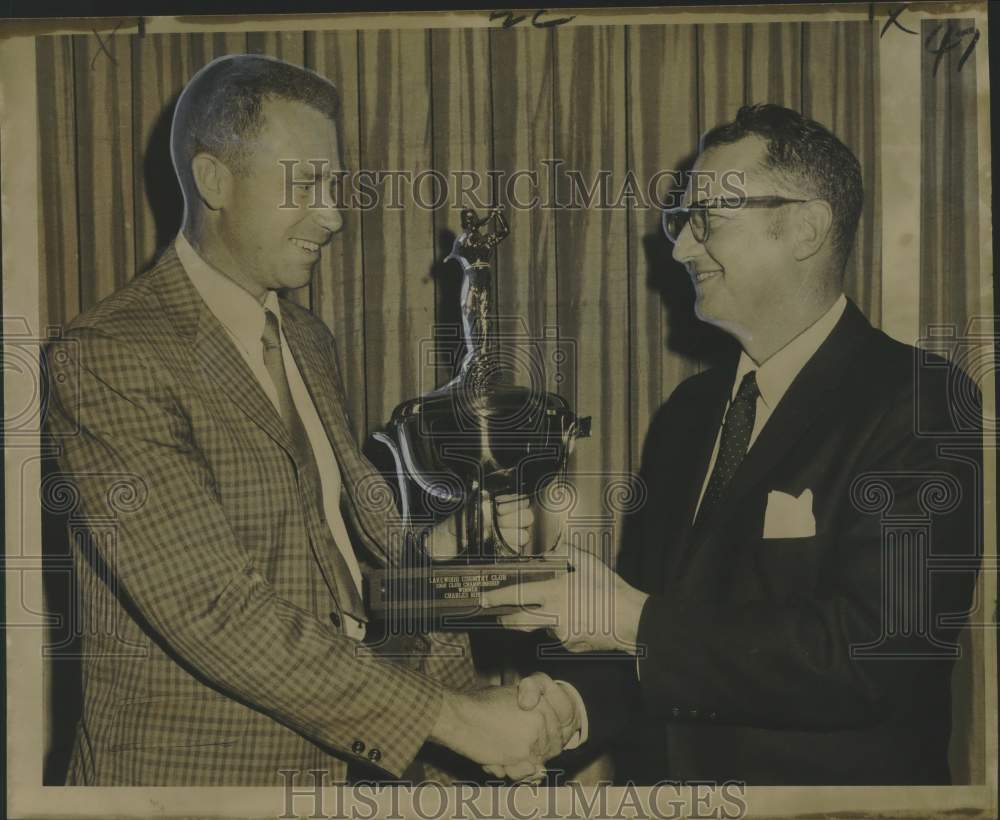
[(789, 517)]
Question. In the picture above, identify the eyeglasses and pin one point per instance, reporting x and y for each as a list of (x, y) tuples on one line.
[(674, 219)]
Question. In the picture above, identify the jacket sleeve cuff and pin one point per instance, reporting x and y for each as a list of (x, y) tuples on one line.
[(392, 738)]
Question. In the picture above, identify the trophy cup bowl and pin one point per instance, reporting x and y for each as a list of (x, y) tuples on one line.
[(462, 445)]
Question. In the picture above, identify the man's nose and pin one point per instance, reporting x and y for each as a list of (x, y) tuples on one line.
[(686, 248), (329, 217)]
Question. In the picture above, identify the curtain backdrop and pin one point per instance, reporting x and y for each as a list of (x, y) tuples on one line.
[(949, 176), (950, 289), (610, 98), (596, 287)]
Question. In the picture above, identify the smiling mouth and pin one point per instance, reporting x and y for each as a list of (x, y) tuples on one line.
[(702, 276), (311, 248)]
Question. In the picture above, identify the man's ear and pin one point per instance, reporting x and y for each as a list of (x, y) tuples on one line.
[(814, 224), (212, 179)]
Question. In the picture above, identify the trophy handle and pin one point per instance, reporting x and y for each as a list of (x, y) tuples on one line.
[(401, 481), (474, 516), (500, 545), (490, 543)]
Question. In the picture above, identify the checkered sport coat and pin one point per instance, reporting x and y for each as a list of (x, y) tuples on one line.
[(210, 653)]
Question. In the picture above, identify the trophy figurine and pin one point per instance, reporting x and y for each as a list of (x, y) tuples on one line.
[(465, 443)]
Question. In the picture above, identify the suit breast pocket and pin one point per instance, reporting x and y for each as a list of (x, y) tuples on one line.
[(164, 723), (789, 567)]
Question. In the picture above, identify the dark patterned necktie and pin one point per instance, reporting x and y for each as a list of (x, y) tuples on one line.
[(347, 591), (733, 443)]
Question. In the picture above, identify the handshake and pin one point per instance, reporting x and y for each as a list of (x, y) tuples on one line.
[(510, 730)]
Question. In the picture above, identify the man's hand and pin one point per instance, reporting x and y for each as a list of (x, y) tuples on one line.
[(539, 691), (514, 522), (514, 519), (490, 727), (589, 609), (442, 541)]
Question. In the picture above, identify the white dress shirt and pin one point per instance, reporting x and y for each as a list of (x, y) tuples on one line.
[(775, 376), (243, 317)]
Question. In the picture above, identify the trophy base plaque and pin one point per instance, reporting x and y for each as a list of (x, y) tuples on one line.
[(448, 594)]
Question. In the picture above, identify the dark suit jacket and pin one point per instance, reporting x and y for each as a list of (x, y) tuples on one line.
[(210, 654), (811, 660)]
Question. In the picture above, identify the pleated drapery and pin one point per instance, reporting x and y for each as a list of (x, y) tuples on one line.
[(949, 174)]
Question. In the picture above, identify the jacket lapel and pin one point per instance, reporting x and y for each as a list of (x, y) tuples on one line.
[(218, 360), (324, 388), (690, 464), (318, 380), (809, 398), (222, 364), (704, 430)]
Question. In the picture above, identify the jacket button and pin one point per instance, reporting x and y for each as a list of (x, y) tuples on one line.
[(358, 747), (375, 755), (335, 619)]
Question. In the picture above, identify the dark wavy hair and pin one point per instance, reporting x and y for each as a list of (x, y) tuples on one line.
[(805, 156), (220, 110)]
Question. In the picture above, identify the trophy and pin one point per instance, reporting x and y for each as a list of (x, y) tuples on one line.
[(466, 443)]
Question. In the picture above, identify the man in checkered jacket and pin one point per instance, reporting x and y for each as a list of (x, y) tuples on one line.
[(237, 561)]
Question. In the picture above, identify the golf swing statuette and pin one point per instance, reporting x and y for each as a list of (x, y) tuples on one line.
[(466, 443)]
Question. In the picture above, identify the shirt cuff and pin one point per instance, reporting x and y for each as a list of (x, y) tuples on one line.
[(579, 737)]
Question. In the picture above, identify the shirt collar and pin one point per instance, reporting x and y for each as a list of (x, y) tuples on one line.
[(776, 375), (235, 307)]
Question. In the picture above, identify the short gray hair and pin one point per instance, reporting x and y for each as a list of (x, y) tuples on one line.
[(220, 111)]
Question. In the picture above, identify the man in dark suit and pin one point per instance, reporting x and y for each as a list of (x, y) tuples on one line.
[(790, 595), (249, 512)]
